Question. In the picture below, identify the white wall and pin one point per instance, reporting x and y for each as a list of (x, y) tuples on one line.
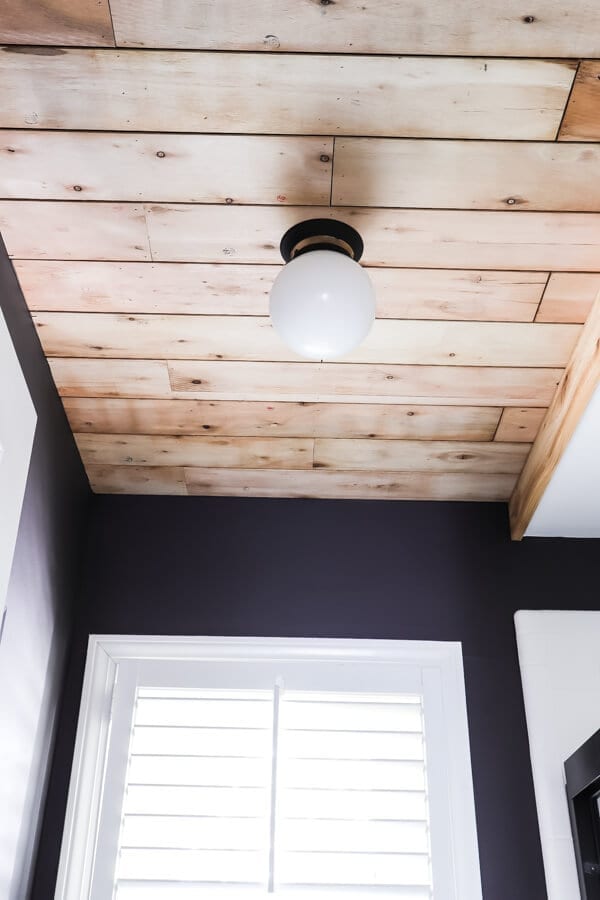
[(559, 655)]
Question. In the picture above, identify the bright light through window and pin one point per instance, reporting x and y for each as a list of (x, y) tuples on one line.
[(275, 791)]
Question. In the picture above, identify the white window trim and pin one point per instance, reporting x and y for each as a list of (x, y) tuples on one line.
[(441, 663), (17, 427)]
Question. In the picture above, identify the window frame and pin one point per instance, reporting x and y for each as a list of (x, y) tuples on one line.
[(112, 664)]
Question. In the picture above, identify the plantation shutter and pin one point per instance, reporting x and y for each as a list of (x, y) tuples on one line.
[(235, 793)]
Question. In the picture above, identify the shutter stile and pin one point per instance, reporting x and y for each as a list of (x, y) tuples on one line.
[(347, 816)]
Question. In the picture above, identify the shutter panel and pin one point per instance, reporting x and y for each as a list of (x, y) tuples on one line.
[(352, 803), (196, 814), (346, 817)]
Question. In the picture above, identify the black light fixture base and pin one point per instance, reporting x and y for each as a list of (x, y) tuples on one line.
[(321, 234)]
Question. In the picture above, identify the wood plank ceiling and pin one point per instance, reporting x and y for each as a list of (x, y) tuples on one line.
[(152, 154)]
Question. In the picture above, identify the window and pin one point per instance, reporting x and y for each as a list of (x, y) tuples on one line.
[(17, 426), (237, 768)]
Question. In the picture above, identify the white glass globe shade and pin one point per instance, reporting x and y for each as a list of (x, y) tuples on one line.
[(322, 304)]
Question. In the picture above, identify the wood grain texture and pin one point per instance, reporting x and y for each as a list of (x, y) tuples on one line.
[(191, 450), (62, 165), (466, 174), (569, 297), (64, 22), (342, 485), (221, 289), (253, 338), (277, 419), (580, 379), (305, 382), (284, 94), (111, 378), (47, 230), (420, 456), (582, 118), (520, 424), (251, 234), (357, 27), (137, 479), (401, 238)]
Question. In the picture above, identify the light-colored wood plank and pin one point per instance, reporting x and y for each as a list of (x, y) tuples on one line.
[(284, 94), (306, 382), (253, 338), (348, 485), (331, 382), (520, 424), (55, 165), (420, 456), (64, 22), (47, 230), (137, 479), (452, 239), (253, 419), (578, 383), (111, 378), (466, 174), (357, 27), (221, 289), (412, 238), (191, 450), (582, 118), (569, 297)]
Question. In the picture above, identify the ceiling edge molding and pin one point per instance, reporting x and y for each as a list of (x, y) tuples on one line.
[(579, 381)]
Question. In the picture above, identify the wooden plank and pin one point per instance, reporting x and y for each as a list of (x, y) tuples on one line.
[(64, 22), (348, 485), (420, 456), (466, 174), (578, 383), (47, 230), (251, 338), (137, 479), (221, 289), (306, 382), (284, 94), (186, 168), (402, 238), (253, 419), (357, 27), (191, 450), (569, 297), (520, 424), (251, 234), (111, 378), (582, 118)]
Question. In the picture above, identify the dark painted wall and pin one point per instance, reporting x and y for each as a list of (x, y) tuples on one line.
[(437, 571), (41, 591)]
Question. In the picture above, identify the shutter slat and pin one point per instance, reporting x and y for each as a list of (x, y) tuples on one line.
[(383, 837), (203, 771), (204, 711), (192, 741), (355, 868), (191, 865), (181, 801), (347, 716), (352, 745), (193, 833), (356, 774)]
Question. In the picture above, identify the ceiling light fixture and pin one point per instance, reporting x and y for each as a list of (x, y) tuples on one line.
[(322, 302)]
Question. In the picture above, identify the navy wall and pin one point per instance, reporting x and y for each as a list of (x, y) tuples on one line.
[(437, 571), (40, 599)]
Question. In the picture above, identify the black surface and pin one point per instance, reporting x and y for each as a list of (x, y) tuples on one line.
[(54, 511), (582, 771), (315, 228), (437, 571)]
